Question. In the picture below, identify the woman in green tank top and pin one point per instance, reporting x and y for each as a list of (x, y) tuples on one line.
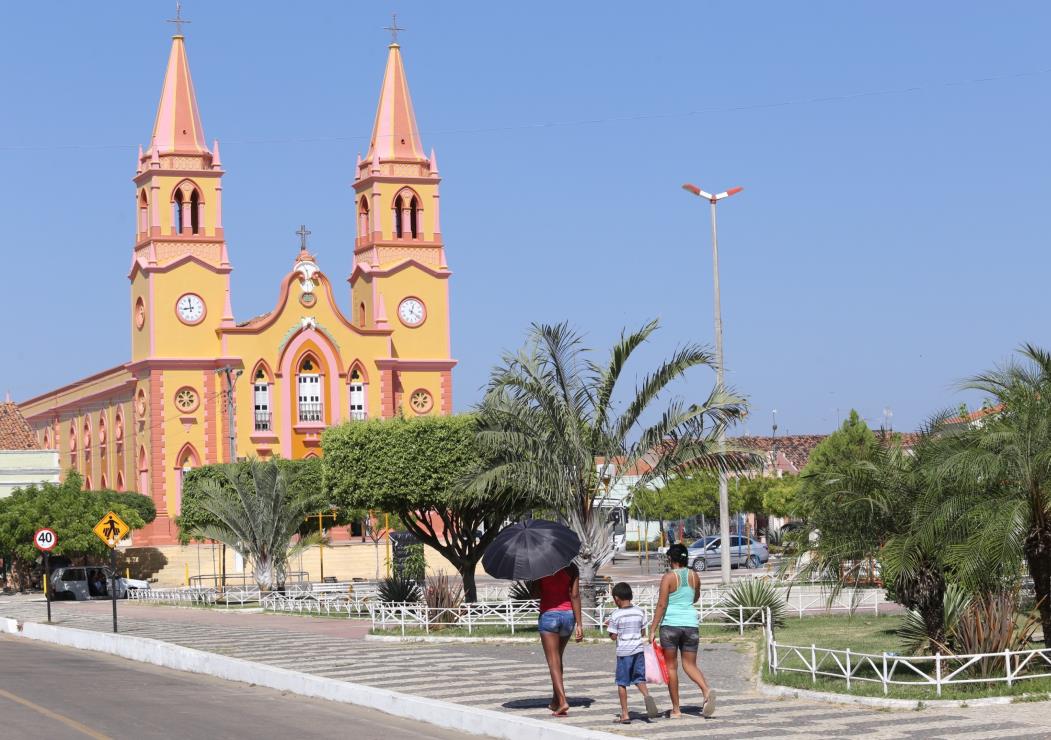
[(675, 625)]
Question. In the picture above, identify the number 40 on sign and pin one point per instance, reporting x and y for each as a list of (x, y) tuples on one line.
[(45, 540)]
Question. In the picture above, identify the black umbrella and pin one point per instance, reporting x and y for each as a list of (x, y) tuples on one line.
[(530, 550)]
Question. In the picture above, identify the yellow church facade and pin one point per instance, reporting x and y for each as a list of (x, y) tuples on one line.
[(290, 373)]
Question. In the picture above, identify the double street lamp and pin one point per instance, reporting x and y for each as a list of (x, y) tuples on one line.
[(724, 499)]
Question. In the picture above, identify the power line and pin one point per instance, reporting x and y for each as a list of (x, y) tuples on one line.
[(791, 102)]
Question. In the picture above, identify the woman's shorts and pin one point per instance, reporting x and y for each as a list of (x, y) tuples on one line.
[(560, 621), (683, 639)]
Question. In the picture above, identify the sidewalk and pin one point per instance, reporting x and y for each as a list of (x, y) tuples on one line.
[(513, 678)]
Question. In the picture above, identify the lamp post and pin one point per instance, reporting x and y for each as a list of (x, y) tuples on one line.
[(724, 499)]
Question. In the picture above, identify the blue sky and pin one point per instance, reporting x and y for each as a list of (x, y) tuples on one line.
[(892, 237)]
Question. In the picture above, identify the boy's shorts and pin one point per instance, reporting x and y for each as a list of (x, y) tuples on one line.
[(631, 669)]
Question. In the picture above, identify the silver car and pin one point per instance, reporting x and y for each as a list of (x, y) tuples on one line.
[(707, 552), (89, 582)]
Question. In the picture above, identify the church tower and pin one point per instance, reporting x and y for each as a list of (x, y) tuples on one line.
[(180, 269), (400, 278)]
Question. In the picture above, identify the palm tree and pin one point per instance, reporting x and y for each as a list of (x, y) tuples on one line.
[(258, 517), (1001, 469), (551, 428)]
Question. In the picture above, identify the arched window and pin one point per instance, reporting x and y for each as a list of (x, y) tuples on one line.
[(414, 210), (120, 481), (87, 483), (103, 483), (308, 390), (261, 401), (361, 314), (357, 396), (184, 463), (144, 213), (102, 431), (363, 218), (144, 473), (195, 212), (87, 434), (398, 203), (178, 214)]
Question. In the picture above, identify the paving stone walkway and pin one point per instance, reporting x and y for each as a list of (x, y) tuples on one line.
[(513, 677)]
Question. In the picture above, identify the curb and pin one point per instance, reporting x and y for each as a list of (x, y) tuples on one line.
[(469, 720), (496, 639), (769, 689)]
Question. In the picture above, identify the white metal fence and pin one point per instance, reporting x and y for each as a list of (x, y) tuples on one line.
[(890, 669)]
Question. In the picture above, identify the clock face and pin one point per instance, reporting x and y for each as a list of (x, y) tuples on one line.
[(411, 312), (190, 309)]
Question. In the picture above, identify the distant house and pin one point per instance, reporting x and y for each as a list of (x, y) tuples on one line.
[(23, 459)]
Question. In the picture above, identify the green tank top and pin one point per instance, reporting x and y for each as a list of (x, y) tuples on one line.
[(680, 611)]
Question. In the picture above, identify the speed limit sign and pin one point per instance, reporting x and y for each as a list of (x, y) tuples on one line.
[(45, 540)]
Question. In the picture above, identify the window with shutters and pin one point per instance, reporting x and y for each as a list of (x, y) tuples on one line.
[(357, 396), (308, 392)]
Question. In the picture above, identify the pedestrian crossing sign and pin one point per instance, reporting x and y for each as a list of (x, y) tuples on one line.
[(111, 529)]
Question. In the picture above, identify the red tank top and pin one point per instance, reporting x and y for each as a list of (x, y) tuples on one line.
[(554, 592)]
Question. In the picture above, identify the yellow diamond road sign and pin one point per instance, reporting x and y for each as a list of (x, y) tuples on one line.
[(111, 529)]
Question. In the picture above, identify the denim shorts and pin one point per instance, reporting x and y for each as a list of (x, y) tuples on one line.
[(684, 639), (631, 669), (559, 621)]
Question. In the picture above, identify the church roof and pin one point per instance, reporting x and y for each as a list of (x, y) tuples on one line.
[(395, 135), (15, 432), (178, 126)]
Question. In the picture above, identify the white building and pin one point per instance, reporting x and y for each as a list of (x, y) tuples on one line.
[(23, 462)]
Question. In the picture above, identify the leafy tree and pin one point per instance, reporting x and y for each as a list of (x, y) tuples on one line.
[(71, 512), (999, 473), (303, 477), (780, 495), (551, 426), (419, 469), (258, 515)]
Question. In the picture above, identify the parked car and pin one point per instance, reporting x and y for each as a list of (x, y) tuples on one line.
[(707, 553), (83, 583)]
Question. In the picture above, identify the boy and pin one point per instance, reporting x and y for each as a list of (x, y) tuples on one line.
[(625, 626)]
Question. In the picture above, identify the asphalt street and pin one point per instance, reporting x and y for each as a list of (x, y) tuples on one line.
[(59, 693)]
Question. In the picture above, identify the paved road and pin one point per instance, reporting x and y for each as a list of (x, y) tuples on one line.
[(58, 693), (513, 677)]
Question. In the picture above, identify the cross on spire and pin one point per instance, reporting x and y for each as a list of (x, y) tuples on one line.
[(393, 28), (303, 232), (178, 20)]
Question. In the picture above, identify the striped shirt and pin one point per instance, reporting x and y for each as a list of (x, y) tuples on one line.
[(627, 624)]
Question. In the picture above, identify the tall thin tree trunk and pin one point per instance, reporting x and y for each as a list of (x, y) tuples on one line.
[(1038, 556), (588, 590)]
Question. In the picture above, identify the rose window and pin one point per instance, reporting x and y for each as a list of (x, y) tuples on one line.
[(186, 400), (421, 401)]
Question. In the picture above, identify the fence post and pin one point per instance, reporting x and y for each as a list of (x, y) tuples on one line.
[(938, 673), (848, 669), (813, 663), (1007, 666), (740, 619), (883, 676)]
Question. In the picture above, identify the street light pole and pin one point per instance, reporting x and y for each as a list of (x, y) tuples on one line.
[(724, 498)]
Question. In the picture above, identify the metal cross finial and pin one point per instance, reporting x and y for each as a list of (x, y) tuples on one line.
[(393, 28), (303, 232), (178, 20)]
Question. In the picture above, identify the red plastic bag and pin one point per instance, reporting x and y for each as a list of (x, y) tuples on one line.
[(656, 669)]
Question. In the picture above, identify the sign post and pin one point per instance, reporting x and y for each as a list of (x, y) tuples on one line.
[(45, 541), (111, 529)]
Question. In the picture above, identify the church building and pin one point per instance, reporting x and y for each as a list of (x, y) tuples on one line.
[(291, 372)]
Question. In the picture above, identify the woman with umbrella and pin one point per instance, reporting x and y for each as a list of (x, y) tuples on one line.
[(541, 553)]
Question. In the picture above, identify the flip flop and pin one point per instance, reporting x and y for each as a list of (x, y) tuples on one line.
[(651, 708), (619, 721), (708, 709)]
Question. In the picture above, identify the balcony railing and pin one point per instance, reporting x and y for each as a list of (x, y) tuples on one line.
[(310, 411), (262, 421), (357, 415)]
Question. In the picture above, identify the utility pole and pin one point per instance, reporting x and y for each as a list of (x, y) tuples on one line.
[(773, 443), (230, 374), (724, 496)]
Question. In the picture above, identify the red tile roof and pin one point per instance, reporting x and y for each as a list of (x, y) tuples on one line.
[(797, 448), (15, 432)]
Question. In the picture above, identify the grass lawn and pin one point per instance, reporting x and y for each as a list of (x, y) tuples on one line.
[(862, 634)]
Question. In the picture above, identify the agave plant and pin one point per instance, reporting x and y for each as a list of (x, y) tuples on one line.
[(754, 595), (991, 624), (913, 632), (398, 590), (519, 591)]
